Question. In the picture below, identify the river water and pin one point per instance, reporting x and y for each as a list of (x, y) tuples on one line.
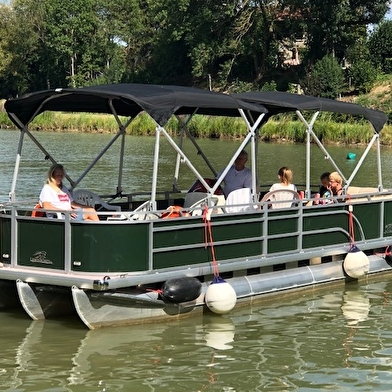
[(76, 151), (334, 338), (337, 338)]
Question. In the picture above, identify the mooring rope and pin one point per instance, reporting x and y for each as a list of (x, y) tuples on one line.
[(351, 222), (208, 240)]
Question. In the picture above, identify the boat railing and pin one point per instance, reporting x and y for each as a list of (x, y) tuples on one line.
[(199, 200), (276, 234)]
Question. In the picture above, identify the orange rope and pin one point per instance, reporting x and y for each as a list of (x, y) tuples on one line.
[(387, 252), (208, 239)]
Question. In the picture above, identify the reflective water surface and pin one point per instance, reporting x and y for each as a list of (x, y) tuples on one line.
[(76, 151), (338, 338)]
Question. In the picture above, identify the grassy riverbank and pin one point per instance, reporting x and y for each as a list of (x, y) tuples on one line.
[(330, 128), (286, 129)]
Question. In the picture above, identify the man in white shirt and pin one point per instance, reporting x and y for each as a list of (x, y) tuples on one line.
[(238, 175)]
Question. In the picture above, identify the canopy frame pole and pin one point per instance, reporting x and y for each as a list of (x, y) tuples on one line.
[(183, 157), (11, 195), (363, 156), (194, 142), (184, 127), (24, 130), (253, 132), (153, 203), (120, 132), (347, 182), (309, 134), (379, 165)]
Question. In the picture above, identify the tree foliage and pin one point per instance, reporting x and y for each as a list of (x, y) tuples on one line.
[(361, 70), (380, 46), (225, 45), (333, 26), (325, 79)]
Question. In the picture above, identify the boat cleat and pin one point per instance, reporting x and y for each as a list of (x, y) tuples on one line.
[(102, 284)]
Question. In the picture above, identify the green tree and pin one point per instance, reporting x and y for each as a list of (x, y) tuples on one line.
[(363, 74), (131, 31), (76, 40), (226, 45), (52, 43), (335, 25), (380, 46), (20, 45), (325, 80), (360, 69), (5, 56)]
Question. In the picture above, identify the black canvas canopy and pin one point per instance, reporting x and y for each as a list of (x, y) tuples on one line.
[(160, 102), (280, 102)]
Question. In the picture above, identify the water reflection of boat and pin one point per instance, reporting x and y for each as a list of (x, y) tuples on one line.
[(139, 354), (112, 272), (79, 353), (38, 348), (108, 342)]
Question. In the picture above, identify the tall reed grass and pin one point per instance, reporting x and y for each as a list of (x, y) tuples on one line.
[(285, 128)]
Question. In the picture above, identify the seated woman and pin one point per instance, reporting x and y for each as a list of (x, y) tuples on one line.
[(336, 182), (55, 196), (285, 176)]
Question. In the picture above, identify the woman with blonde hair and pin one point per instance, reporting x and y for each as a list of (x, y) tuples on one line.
[(285, 176), (55, 196), (336, 181)]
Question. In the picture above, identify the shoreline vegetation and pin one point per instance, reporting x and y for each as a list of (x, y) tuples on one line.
[(330, 129)]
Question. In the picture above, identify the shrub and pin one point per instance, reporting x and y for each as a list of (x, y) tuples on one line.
[(326, 79)]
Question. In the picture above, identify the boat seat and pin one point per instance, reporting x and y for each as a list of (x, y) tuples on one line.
[(195, 201), (91, 199), (279, 196), (192, 198), (357, 190), (142, 212), (240, 200)]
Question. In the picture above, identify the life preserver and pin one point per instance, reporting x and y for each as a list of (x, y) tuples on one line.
[(36, 213), (174, 212)]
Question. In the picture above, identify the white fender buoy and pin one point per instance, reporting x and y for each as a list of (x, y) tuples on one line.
[(220, 296), (356, 263)]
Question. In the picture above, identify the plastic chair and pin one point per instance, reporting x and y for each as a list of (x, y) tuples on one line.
[(239, 200), (279, 196), (91, 199), (193, 198)]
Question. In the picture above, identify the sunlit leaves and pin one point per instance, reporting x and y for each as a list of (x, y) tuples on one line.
[(380, 46)]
